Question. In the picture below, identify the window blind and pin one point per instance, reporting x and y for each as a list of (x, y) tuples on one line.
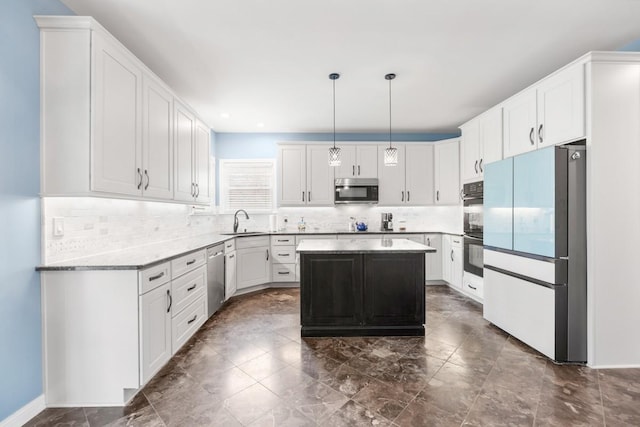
[(247, 184)]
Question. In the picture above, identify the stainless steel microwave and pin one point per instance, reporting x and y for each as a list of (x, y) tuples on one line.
[(356, 190)]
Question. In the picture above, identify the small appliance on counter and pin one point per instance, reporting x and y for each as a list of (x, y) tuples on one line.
[(386, 221)]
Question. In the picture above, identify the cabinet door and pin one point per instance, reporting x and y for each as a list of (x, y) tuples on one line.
[(155, 331), (230, 276), (470, 148), (367, 161), (157, 140), (292, 175), (202, 161), (391, 190), (117, 123), (347, 168), (433, 267), (419, 176), (447, 176), (320, 183), (456, 267), (490, 137), (519, 127), (447, 255), (561, 107), (254, 267), (401, 304), (183, 152)]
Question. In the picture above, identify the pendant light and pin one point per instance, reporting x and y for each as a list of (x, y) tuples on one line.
[(391, 153), (334, 152)]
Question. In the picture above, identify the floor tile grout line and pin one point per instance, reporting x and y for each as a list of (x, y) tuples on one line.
[(604, 417), (544, 377), (154, 408)]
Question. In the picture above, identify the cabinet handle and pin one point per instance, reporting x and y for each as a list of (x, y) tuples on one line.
[(191, 262), (540, 134), (531, 136), (140, 176), (402, 200), (462, 194), (451, 254), (428, 241), (303, 196), (408, 195), (195, 316), (148, 180), (193, 189), (476, 166), (358, 170), (197, 190), (231, 256), (156, 277), (309, 196), (267, 254), (472, 287), (284, 273), (480, 164), (437, 195), (190, 288), (283, 240), (170, 301), (283, 254), (353, 170)]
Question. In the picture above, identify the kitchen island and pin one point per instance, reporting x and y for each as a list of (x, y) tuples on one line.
[(367, 287)]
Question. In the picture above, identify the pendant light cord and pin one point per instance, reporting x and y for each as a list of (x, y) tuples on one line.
[(334, 113), (389, 113)]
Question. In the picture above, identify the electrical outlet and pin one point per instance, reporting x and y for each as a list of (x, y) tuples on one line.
[(58, 227)]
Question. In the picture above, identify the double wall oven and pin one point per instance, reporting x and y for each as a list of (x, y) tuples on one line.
[(472, 207)]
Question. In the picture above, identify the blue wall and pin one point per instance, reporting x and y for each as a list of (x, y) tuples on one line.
[(20, 318), (631, 47)]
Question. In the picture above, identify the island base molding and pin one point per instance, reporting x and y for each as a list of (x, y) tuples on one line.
[(365, 331)]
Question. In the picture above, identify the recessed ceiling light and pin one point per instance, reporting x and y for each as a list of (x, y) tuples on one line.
[(225, 115), (260, 125)]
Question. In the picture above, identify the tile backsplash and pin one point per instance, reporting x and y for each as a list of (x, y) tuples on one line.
[(98, 225)]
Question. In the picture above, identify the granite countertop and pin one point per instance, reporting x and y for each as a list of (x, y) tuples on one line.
[(141, 257), (332, 246)]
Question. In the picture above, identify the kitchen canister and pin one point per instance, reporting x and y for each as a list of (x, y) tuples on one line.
[(273, 222)]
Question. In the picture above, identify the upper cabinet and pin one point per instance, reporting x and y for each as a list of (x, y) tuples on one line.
[(410, 182), (304, 175), (110, 127), (481, 144), (358, 161), (551, 112), (447, 173)]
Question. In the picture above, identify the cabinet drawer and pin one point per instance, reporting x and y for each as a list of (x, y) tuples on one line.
[(284, 273), (229, 246), (473, 285), (153, 277), (186, 263), (283, 240), (456, 241), (283, 255), (252, 242), (187, 288), (185, 324)]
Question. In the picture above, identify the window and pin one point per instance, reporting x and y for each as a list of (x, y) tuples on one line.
[(247, 184)]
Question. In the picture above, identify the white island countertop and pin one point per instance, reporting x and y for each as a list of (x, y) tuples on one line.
[(383, 245)]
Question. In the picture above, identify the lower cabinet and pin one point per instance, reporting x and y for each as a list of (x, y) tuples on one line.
[(433, 260), (452, 262), (253, 266), (230, 279), (155, 331)]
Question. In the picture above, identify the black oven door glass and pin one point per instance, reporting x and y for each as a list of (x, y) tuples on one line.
[(473, 261), (473, 217)]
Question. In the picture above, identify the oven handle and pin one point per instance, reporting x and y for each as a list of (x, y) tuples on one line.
[(466, 236)]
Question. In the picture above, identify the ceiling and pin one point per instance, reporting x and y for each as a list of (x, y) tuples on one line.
[(267, 61)]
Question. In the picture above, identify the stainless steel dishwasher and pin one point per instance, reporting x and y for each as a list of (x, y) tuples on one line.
[(215, 277)]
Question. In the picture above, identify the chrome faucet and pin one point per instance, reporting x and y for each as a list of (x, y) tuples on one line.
[(235, 219)]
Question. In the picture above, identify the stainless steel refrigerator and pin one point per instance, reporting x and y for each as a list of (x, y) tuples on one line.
[(535, 265)]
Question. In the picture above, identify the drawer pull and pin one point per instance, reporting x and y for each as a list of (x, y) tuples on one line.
[(283, 254), (283, 240), (156, 277), (189, 289), (472, 287), (192, 320), (193, 261), (284, 273)]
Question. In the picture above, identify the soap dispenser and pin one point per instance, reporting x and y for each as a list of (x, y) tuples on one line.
[(301, 225)]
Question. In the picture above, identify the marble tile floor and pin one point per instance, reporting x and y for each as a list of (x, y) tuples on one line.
[(248, 366)]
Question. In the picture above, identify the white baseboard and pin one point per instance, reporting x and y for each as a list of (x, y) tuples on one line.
[(613, 366), (24, 414)]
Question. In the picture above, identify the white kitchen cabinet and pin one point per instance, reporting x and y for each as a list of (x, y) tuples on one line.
[(551, 112), (447, 173), (155, 331), (452, 262), (283, 256), (157, 139), (108, 123), (410, 182), (191, 156), (358, 161), (481, 144), (320, 183), (230, 277), (254, 261), (473, 286), (117, 131), (304, 176), (434, 259)]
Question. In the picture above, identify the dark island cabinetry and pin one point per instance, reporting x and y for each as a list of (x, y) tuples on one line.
[(360, 294)]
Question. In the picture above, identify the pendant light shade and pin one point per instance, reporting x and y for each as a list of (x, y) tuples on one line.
[(334, 152), (391, 153)]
